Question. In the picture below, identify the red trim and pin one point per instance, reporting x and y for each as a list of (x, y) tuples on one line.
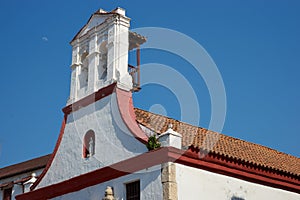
[(6, 185), (98, 176), (67, 110), (238, 170), (106, 91), (52, 155), (125, 104), (214, 163), (235, 164), (146, 160)]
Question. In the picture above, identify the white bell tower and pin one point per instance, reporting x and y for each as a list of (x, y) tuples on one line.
[(99, 128), (100, 54)]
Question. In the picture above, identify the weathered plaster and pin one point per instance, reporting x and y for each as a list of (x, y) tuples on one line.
[(113, 141)]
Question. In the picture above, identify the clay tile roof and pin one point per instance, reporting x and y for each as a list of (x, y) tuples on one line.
[(27, 166), (223, 145)]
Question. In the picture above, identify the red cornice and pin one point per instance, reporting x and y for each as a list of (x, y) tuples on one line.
[(214, 163), (243, 166), (126, 109), (52, 155), (128, 166), (67, 110), (146, 160), (125, 106), (225, 166), (108, 90)]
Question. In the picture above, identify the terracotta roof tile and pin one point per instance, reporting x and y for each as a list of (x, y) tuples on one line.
[(193, 136), (220, 144), (27, 166)]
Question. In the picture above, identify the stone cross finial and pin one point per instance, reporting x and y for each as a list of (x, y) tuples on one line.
[(109, 195)]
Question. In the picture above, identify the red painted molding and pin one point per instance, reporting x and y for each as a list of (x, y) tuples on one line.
[(213, 163), (222, 166), (67, 110), (243, 166), (52, 155), (125, 105), (103, 92), (149, 159), (128, 166)]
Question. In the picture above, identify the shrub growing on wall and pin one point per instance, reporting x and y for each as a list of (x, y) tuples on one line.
[(153, 143)]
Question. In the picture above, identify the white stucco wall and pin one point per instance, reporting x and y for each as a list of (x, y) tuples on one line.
[(113, 141), (150, 180), (18, 189), (200, 184)]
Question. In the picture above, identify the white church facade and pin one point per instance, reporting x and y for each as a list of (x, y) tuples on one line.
[(101, 151)]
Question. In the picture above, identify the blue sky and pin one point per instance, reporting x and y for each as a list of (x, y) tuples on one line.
[(255, 45)]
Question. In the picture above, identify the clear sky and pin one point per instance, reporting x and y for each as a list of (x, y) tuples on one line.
[(255, 45)]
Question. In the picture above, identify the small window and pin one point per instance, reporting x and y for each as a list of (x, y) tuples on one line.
[(133, 190), (88, 147), (7, 193)]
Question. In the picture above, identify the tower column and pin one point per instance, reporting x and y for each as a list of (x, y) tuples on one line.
[(74, 74), (117, 56), (93, 58)]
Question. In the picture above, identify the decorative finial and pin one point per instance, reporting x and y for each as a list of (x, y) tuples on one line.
[(170, 126)]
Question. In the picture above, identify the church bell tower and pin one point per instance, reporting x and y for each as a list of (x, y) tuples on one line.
[(100, 54), (99, 126)]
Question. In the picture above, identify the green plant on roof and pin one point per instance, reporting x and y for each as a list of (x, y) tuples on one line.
[(152, 143)]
